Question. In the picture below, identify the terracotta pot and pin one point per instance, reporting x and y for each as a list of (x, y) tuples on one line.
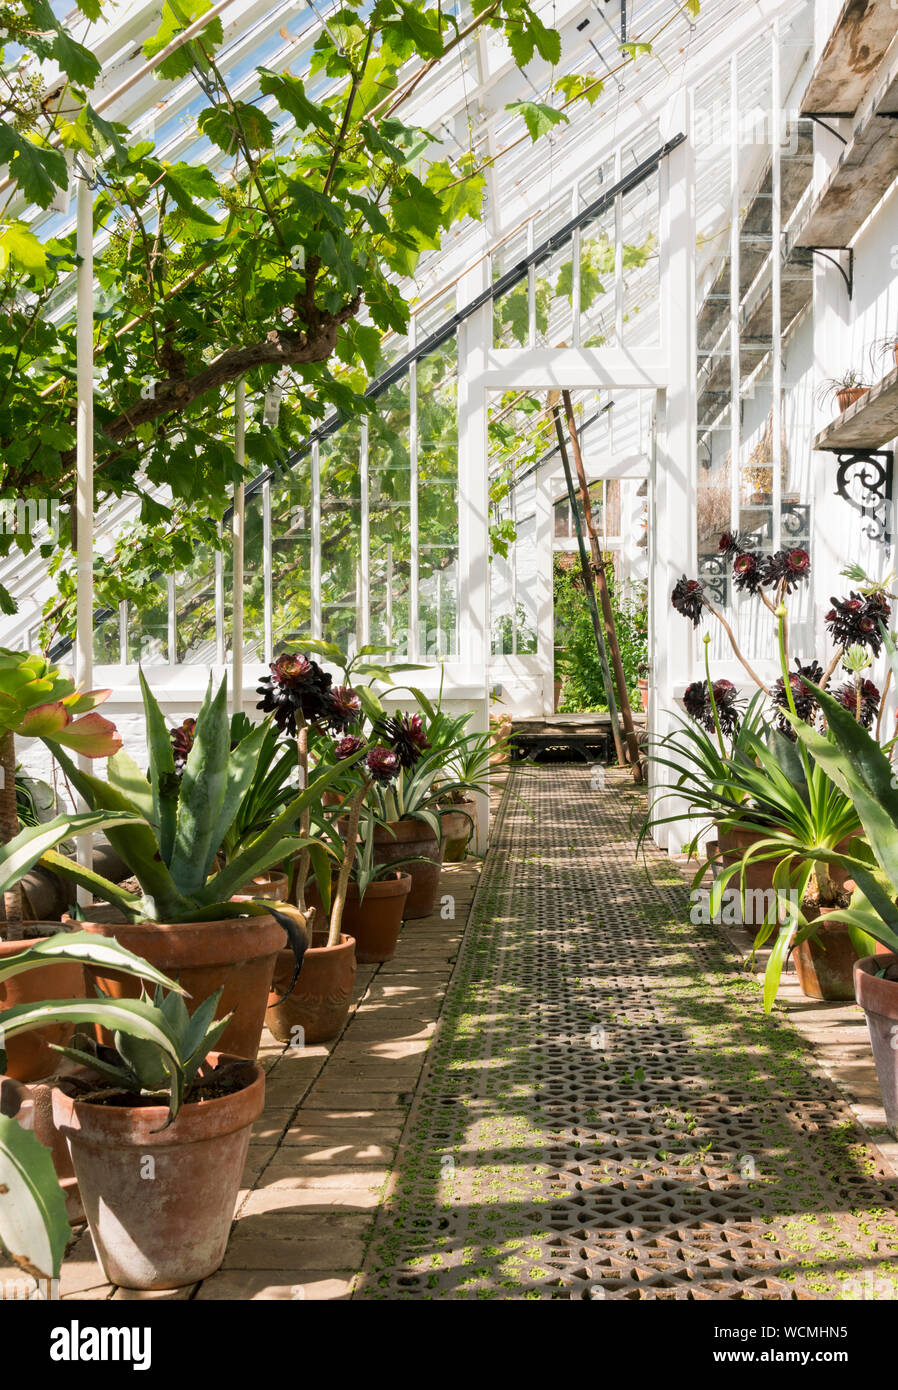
[(236, 954), (160, 1200), (29, 1056), (458, 829), (879, 1000), (826, 967), (375, 921), (319, 1001), (849, 395), (643, 685), (274, 886), (412, 838), (557, 687)]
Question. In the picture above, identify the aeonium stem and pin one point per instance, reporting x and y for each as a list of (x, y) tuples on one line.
[(301, 869), (707, 641), (352, 839), (787, 686), (735, 646)]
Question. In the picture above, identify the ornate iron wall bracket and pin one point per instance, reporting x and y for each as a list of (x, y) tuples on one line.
[(847, 275), (870, 472)]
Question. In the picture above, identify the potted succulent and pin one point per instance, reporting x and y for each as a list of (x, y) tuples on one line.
[(884, 347), (184, 916), (375, 900), (34, 1225)]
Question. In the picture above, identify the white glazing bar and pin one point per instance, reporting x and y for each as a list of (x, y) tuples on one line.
[(531, 291), (315, 558), (123, 631), (575, 270), (618, 257), (172, 636), (513, 571), (735, 432), (238, 534), (414, 638), (267, 575), (776, 265), (388, 618), (84, 479), (364, 584)]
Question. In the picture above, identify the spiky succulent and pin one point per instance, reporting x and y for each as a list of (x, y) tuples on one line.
[(297, 686), (687, 598)]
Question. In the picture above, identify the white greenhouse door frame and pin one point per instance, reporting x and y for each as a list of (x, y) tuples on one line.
[(668, 372)]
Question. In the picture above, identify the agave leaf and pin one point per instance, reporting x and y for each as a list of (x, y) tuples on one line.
[(135, 842), (144, 1058), (136, 1016), (241, 768), (124, 774), (99, 886), (90, 949), (120, 1076), (34, 1227), (24, 850), (163, 780), (203, 785), (199, 1024)]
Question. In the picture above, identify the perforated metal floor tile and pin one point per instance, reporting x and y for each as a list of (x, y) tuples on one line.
[(606, 1112)]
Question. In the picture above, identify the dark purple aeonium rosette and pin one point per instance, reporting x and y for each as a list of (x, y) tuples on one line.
[(804, 698), (297, 686), (748, 571), (855, 620), (182, 741), (405, 735), (867, 695), (344, 708), (697, 701), (729, 545), (687, 598), (383, 765), (786, 567), (347, 746)]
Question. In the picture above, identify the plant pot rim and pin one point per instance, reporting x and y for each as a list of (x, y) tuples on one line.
[(874, 994), (344, 944), (127, 1125), (223, 941)]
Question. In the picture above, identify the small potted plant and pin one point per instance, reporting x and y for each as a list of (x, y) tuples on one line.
[(844, 389), (375, 901), (886, 347)]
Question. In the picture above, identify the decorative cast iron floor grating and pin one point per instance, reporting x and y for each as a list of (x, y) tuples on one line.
[(606, 1112)]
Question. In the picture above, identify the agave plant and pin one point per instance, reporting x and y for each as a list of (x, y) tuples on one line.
[(37, 700), (180, 822)]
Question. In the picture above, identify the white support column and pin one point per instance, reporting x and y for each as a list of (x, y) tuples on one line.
[(735, 218), (84, 484), (267, 575), (172, 636), (776, 267), (672, 517), (474, 338), (364, 586), (545, 605), (414, 631), (238, 533)]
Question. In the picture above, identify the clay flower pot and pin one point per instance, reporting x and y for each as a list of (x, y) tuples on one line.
[(275, 886), (879, 1000), (237, 954), (29, 1055), (825, 968), (849, 394), (160, 1201), (457, 830), (643, 684), (375, 921), (412, 838), (319, 1001)]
